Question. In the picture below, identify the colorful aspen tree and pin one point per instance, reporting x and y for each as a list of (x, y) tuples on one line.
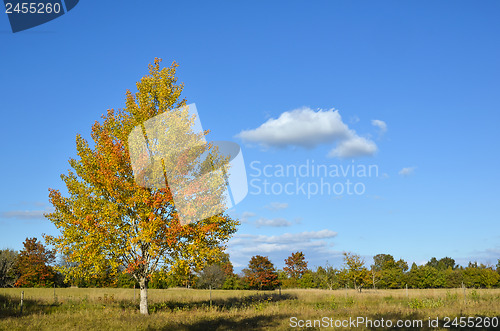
[(111, 222)]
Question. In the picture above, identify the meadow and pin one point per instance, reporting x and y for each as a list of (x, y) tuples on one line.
[(190, 309)]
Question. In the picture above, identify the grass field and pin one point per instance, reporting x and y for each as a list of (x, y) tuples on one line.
[(188, 309)]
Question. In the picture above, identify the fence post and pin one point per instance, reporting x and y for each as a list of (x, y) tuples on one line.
[(22, 299), (210, 296), (465, 297)]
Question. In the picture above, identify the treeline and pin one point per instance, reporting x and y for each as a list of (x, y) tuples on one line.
[(35, 266)]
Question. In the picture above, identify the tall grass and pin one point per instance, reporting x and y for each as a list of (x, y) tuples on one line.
[(188, 309)]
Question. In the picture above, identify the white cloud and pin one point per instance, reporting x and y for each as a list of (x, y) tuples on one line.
[(246, 215), (354, 147), (300, 127), (23, 214), (283, 240), (277, 205), (381, 125), (276, 222), (407, 171), (307, 128), (315, 244)]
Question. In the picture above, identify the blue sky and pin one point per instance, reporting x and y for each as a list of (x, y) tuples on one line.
[(411, 87)]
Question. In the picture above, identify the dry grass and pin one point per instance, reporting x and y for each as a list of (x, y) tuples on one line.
[(187, 309)]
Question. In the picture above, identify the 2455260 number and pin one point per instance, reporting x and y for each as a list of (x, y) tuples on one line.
[(33, 8), (471, 322)]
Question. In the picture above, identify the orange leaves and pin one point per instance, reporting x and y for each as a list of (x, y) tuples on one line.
[(136, 265)]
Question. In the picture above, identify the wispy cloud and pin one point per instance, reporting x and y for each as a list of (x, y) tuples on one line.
[(407, 171), (277, 205), (275, 222), (246, 215), (23, 214), (381, 125), (284, 242), (315, 244), (307, 128), (354, 147)]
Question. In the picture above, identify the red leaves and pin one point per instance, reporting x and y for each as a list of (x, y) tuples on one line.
[(261, 273), (296, 265)]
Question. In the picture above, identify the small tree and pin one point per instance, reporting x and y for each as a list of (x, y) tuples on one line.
[(328, 277), (261, 273), (296, 265), (8, 260), (33, 265), (356, 271), (212, 276)]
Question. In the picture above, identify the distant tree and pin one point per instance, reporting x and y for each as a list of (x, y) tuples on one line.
[(480, 276), (34, 266), (8, 259), (433, 262), (446, 262), (453, 277), (306, 280), (402, 265), (261, 273), (212, 276), (327, 277), (473, 264), (425, 277), (387, 272), (383, 261), (181, 274), (355, 270), (234, 282), (296, 265), (442, 264), (392, 278), (286, 281), (225, 264)]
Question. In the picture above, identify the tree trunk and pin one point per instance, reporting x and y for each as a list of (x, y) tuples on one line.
[(143, 283)]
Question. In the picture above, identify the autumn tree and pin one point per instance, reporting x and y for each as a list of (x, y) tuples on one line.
[(33, 265), (8, 260), (261, 273), (355, 270), (296, 265), (226, 265), (122, 212)]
